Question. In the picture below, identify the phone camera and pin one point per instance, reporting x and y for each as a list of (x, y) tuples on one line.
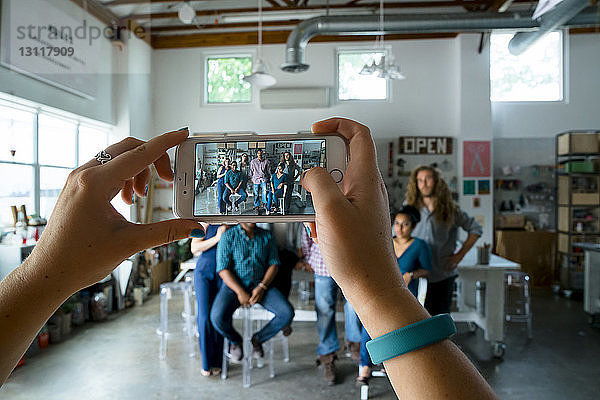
[(185, 192)]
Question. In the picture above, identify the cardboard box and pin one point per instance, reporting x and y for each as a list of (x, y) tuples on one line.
[(576, 198), (564, 220), (580, 143), (563, 190), (510, 221), (585, 198), (563, 243), (535, 251)]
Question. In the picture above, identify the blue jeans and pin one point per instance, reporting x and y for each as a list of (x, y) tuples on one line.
[(325, 299), (228, 193), (273, 198), (255, 187), (227, 302), (365, 358), (220, 189), (209, 340)]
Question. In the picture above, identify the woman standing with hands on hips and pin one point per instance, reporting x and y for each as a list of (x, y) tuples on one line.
[(207, 283), (85, 226)]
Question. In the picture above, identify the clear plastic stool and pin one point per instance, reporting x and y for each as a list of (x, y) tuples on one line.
[(189, 278), (233, 198), (304, 293), (166, 293), (517, 301), (253, 319)]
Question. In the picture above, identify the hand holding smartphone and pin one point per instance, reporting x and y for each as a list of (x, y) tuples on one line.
[(252, 178)]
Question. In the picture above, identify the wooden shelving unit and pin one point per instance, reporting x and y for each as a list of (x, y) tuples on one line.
[(578, 203)]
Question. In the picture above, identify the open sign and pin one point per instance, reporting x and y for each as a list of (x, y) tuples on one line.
[(425, 145)]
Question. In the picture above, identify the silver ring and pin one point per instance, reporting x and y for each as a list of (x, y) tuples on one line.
[(103, 157)]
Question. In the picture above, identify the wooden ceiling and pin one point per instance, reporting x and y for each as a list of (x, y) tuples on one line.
[(228, 22)]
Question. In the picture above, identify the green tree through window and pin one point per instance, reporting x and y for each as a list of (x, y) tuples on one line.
[(225, 80)]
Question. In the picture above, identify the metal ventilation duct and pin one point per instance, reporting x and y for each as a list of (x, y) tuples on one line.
[(422, 23), (558, 16)]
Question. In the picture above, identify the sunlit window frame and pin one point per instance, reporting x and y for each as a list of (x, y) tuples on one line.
[(564, 87), (354, 50), (37, 110), (207, 56)]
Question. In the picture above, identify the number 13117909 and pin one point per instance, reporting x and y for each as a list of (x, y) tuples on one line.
[(46, 51)]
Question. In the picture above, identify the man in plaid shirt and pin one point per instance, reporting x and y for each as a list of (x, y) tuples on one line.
[(247, 261), (326, 291)]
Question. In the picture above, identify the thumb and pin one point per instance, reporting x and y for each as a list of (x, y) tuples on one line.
[(144, 236), (325, 192)]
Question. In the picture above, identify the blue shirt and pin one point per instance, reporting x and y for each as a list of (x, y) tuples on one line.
[(247, 258), (278, 181), (207, 261), (233, 178), (416, 256)]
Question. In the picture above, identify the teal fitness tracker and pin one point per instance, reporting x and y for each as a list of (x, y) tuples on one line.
[(411, 337)]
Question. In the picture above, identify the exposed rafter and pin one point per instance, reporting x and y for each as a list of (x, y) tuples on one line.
[(371, 5), (269, 37)]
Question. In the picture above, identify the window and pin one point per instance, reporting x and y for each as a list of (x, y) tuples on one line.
[(225, 80), (354, 86), (535, 75), (34, 167)]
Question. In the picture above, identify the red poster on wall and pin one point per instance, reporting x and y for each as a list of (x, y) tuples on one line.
[(476, 159)]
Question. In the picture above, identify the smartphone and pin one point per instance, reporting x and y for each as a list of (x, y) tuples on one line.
[(247, 177)]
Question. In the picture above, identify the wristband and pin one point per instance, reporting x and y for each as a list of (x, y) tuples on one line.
[(263, 286), (411, 337)]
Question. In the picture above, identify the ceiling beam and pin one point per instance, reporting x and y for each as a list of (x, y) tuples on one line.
[(373, 6), (175, 28), (269, 37), (589, 29)]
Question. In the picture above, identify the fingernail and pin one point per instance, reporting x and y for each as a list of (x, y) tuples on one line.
[(197, 233), (182, 129)]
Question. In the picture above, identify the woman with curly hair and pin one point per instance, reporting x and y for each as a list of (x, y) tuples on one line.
[(440, 219)]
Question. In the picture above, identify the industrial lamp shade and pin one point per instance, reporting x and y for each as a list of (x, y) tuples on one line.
[(260, 77), (186, 13)]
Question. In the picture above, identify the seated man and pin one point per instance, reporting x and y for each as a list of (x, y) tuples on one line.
[(234, 184), (247, 262)]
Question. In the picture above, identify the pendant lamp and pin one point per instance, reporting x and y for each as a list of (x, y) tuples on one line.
[(260, 76)]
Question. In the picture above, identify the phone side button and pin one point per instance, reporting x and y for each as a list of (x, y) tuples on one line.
[(337, 175)]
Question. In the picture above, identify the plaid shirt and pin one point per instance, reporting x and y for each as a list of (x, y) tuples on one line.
[(312, 255), (247, 258)]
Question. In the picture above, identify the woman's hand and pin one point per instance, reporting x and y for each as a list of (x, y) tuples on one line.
[(353, 230), (86, 237), (407, 278), (221, 230)]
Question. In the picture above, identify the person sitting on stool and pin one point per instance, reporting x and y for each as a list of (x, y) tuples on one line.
[(247, 262), (234, 181)]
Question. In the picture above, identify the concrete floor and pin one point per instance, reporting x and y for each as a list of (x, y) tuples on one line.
[(118, 359)]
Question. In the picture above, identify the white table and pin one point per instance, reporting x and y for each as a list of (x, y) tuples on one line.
[(492, 319)]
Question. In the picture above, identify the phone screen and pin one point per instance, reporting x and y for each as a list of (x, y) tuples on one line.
[(255, 177)]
